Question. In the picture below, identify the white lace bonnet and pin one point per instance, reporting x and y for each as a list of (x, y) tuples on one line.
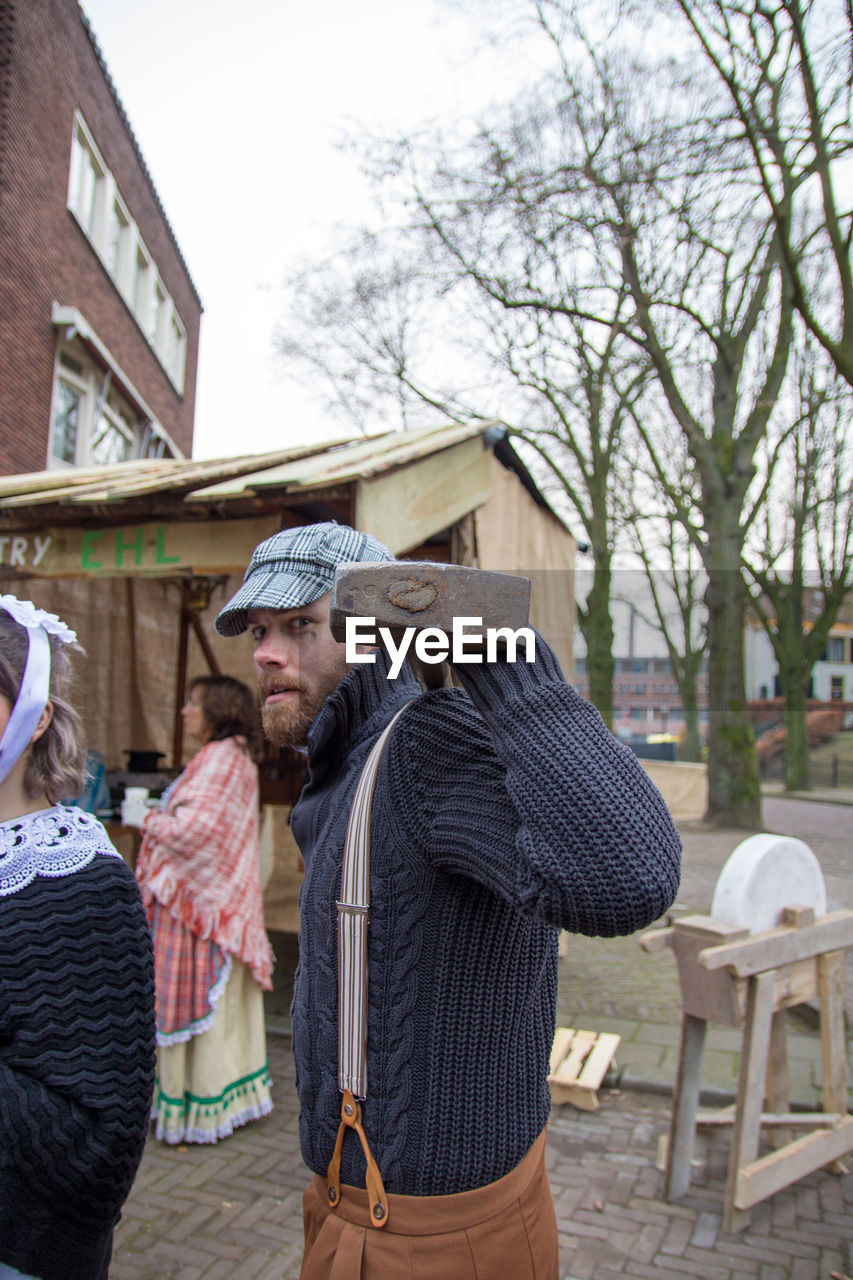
[(35, 684)]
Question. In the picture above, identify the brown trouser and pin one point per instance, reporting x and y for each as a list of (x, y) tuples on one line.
[(507, 1229)]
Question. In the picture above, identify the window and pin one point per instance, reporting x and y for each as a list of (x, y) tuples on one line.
[(66, 418), (176, 350), (139, 293), (836, 688), (112, 434), (835, 650), (118, 240), (155, 319), (86, 183), (92, 422), (95, 201)]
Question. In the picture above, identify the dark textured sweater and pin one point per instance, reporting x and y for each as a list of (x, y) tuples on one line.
[(503, 812), (76, 1065)]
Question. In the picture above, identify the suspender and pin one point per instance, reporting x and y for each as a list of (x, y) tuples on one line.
[(353, 912)]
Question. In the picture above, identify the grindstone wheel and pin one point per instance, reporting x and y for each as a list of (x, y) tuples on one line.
[(764, 874)]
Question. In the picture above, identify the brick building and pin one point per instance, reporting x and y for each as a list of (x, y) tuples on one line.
[(100, 317)]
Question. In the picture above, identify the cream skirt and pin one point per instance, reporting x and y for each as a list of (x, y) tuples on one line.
[(219, 1080)]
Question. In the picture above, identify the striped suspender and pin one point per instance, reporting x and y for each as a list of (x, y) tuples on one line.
[(353, 910)]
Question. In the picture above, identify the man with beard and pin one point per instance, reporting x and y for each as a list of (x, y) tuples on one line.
[(502, 812)]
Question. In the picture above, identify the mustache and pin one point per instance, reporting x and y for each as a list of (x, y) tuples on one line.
[(268, 684)]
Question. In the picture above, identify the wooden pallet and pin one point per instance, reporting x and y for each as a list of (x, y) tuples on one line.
[(579, 1061)]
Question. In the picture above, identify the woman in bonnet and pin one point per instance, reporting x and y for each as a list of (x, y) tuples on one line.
[(76, 979)]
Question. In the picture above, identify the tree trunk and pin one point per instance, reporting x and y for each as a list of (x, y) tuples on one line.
[(796, 732), (692, 748), (597, 629), (734, 793)]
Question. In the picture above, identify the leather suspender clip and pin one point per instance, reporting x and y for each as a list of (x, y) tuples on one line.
[(351, 1119)]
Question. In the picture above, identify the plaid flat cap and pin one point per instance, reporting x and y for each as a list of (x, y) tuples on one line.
[(294, 568)]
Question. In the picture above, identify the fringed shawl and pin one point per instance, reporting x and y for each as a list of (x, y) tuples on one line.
[(200, 857)]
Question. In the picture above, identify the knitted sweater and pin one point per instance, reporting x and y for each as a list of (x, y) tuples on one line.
[(503, 812), (76, 1043)]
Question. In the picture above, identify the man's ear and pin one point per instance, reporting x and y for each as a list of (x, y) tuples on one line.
[(43, 721)]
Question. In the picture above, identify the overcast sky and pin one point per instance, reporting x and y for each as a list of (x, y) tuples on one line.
[(238, 110)]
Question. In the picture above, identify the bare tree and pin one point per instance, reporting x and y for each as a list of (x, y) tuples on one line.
[(658, 191), (801, 558), (600, 213), (787, 68), (564, 384), (676, 586)]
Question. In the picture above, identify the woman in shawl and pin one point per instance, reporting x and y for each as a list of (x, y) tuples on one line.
[(199, 872)]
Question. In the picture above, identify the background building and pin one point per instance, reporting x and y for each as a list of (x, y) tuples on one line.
[(832, 674), (646, 697), (100, 315)]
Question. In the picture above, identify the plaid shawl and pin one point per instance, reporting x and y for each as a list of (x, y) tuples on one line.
[(190, 974), (200, 859)]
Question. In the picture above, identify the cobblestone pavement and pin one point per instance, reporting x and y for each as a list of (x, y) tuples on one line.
[(233, 1210)]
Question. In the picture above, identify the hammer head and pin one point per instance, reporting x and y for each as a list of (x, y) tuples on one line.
[(421, 594)]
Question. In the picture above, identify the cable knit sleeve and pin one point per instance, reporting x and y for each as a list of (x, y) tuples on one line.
[(528, 793)]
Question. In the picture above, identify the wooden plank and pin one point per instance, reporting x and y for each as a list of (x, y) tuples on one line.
[(405, 507), (569, 1069), (715, 997), (750, 1091), (145, 549), (708, 927), (762, 1178), (563, 1038), (796, 983), (657, 940), (778, 1092), (796, 917), (596, 1066), (718, 1116), (781, 946), (575, 1095), (685, 1101), (832, 1034), (710, 1116)]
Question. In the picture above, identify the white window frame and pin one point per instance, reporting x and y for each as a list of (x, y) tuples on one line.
[(139, 288), (175, 348), (89, 386), (85, 157), (118, 267)]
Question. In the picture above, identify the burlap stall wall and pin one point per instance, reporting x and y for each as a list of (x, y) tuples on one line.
[(129, 628)]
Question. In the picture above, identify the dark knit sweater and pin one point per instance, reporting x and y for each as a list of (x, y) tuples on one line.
[(502, 813), (76, 1064)]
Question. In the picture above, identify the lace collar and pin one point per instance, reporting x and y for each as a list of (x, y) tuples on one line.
[(51, 842)]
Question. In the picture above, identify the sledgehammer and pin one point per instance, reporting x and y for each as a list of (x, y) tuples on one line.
[(420, 594)]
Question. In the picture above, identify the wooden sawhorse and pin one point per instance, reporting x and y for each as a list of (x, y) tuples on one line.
[(739, 979)]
